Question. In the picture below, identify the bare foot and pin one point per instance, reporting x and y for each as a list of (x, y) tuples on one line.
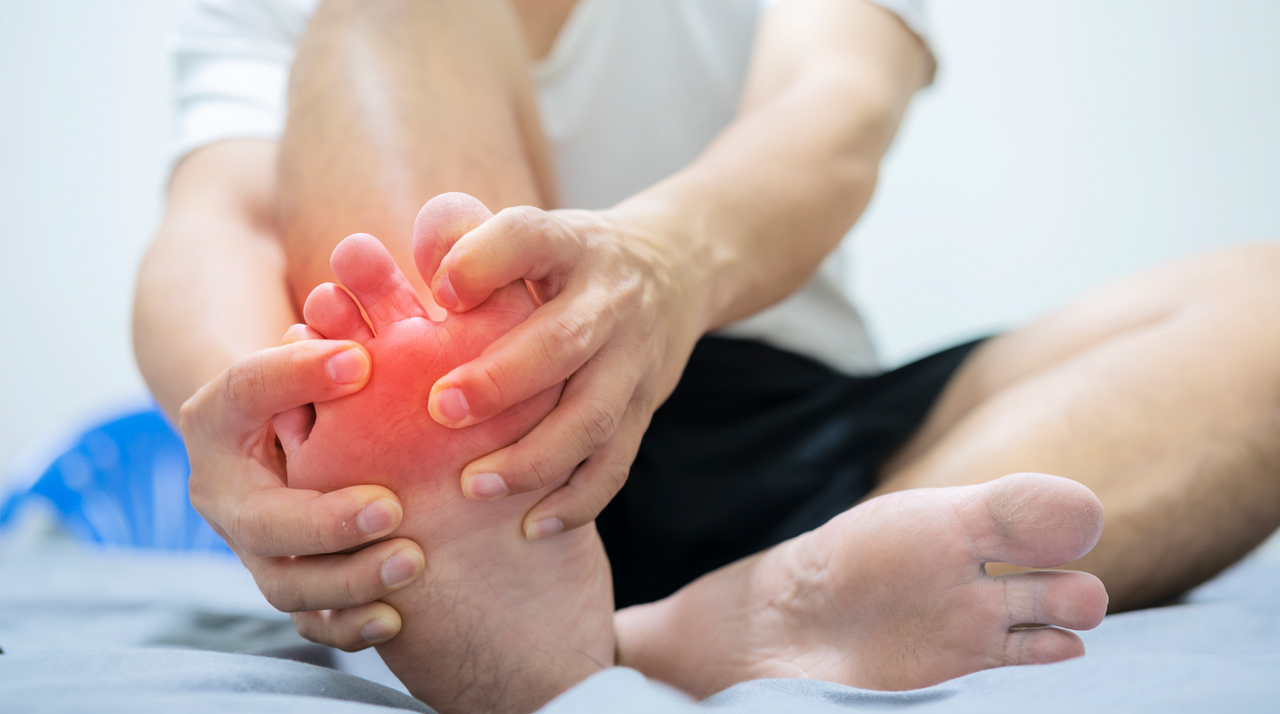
[(496, 623), (889, 595)]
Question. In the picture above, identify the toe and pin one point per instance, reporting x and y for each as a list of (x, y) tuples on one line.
[(1041, 645), (365, 267), (1074, 600), (331, 312), (440, 223), (1032, 520), (293, 427), (299, 333)]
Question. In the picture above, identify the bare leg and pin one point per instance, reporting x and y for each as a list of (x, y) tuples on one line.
[(1159, 393), (393, 102), (889, 595)]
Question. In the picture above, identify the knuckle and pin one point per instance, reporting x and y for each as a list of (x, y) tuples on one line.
[(544, 470), (199, 493), (568, 332), (279, 594), (356, 589), (523, 219), (490, 383), (243, 383), (596, 423), (249, 539), (308, 626), (189, 414), (246, 529)]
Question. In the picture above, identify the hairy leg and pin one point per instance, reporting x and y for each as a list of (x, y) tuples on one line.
[(1160, 393), (393, 102)]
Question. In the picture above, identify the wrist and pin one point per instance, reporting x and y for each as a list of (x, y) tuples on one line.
[(675, 247)]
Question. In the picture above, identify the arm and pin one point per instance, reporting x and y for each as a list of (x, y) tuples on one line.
[(628, 291), (211, 287), (772, 196), (210, 308)]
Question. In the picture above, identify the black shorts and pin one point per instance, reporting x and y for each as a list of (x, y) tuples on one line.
[(755, 446)]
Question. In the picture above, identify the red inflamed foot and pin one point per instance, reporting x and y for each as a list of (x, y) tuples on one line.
[(496, 623)]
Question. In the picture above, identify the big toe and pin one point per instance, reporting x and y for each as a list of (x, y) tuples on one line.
[(367, 269), (441, 222), (1032, 520)]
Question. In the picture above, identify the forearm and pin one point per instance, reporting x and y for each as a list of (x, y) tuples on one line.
[(211, 288), (773, 195)]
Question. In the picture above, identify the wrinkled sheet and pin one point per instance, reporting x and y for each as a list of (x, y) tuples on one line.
[(126, 630)]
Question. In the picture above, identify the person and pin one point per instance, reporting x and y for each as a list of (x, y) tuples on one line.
[(718, 166)]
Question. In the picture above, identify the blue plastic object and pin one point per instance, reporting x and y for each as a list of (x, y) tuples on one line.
[(124, 483)]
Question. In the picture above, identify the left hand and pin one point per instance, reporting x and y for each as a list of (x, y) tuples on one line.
[(620, 309)]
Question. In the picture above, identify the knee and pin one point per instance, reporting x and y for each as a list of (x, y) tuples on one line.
[(1248, 272), (1251, 264)]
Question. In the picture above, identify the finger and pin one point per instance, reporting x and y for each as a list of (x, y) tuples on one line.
[(234, 406), (587, 417), (441, 222), (367, 269), (331, 311), (593, 485), (330, 582), (1042, 645), (521, 242), (534, 356), (280, 521), (298, 333), (351, 629), (1064, 598)]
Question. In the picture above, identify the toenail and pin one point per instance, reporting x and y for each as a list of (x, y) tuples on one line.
[(347, 367), (378, 516), (543, 528), (400, 568), (378, 630), (486, 487), (445, 296), (452, 405)]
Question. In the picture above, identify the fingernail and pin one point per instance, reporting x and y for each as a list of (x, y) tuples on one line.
[(347, 367), (400, 568), (543, 528), (445, 296), (377, 630), (452, 405), (378, 516), (485, 487)]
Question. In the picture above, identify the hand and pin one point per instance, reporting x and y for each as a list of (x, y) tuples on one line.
[(618, 317), (290, 538)]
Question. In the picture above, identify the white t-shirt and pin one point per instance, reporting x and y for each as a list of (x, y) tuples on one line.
[(631, 92)]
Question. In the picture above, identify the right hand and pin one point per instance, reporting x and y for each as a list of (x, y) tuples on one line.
[(294, 541)]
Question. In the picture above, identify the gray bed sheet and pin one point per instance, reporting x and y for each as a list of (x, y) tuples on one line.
[(91, 630)]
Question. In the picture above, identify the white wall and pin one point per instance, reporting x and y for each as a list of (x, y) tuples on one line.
[(1065, 144), (84, 124)]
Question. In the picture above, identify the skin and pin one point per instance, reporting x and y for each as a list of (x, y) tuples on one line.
[(210, 308), (844, 75), (1158, 393), (504, 623), (567, 255)]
